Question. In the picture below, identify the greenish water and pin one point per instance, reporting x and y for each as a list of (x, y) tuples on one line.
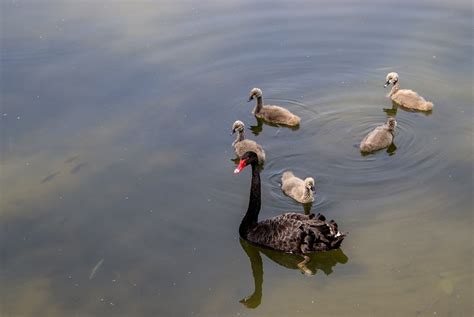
[(118, 196)]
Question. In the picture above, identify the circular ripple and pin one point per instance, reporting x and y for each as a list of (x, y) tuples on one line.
[(327, 148)]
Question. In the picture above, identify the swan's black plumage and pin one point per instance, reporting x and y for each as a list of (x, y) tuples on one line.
[(290, 232)]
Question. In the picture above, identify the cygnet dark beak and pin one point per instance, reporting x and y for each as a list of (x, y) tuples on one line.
[(232, 132), (250, 99), (387, 83), (312, 188)]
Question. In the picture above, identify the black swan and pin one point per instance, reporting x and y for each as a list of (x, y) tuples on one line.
[(291, 232)]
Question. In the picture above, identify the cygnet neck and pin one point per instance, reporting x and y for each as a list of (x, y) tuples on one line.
[(395, 88), (239, 137), (259, 105)]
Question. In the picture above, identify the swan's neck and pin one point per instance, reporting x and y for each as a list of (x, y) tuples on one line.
[(259, 105), (394, 89), (307, 193), (251, 217), (240, 137)]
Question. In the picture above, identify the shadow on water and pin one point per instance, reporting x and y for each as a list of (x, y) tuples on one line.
[(71, 159), (392, 112), (77, 168), (307, 208), (256, 129), (391, 150), (323, 261), (50, 177)]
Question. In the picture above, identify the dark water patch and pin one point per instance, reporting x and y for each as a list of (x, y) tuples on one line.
[(71, 159), (77, 168), (50, 177)]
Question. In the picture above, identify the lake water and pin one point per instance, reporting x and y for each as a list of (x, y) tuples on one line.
[(118, 196)]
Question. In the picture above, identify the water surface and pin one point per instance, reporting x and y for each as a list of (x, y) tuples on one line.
[(117, 191)]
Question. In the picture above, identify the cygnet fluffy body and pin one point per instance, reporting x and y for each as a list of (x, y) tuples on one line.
[(298, 189), (379, 138)]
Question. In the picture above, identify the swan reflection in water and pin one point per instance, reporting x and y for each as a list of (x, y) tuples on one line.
[(391, 150), (323, 261), (256, 129), (395, 106)]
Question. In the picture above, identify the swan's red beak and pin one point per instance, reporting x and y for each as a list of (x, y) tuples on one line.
[(241, 166)]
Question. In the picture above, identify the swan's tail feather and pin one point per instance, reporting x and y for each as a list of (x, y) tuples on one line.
[(294, 121), (335, 244), (320, 217), (320, 235), (287, 175), (334, 225)]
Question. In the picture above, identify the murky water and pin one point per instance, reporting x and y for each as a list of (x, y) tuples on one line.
[(117, 191)]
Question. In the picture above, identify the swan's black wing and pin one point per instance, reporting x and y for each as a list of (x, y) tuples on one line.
[(296, 233)]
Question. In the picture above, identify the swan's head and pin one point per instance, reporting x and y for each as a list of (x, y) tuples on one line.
[(249, 158), (391, 78), (392, 123), (309, 183), (255, 93), (238, 126)]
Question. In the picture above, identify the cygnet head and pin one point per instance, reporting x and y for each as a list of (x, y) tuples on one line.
[(392, 78), (238, 126), (255, 93), (309, 183), (392, 123)]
